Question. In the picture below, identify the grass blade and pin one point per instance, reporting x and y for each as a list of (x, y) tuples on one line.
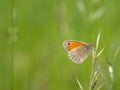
[(100, 52), (100, 86), (79, 84), (97, 42)]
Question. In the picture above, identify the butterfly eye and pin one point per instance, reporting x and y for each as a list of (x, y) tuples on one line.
[(68, 43)]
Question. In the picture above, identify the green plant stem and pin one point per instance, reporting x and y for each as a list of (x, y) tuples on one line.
[(12, 65), (91, 77), (92, 73), (12, 48)]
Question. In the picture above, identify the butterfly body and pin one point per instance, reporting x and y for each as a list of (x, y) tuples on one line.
[(77, 51)]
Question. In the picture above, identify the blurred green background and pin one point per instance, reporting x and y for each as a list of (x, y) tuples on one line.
[(31, 37)]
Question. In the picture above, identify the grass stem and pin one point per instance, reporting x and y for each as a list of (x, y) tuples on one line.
[(12, 25)]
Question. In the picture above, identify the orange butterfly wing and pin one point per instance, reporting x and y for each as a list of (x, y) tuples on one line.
[(74, 45), (71, 44)]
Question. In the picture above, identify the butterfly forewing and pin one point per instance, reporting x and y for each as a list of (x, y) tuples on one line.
[(71, 44)]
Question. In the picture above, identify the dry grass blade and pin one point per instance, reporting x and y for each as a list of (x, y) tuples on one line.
[(97, 42), (95, 77), (93, 54), (100, 52), (100, 86), (111, 72), (79, 84), (97, 74), (116, 52), (97, 14), (81, 6)]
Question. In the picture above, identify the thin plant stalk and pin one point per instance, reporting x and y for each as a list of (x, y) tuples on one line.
[(12, 65), (79, 84), (94, 58), (111, 67), (92, 73), (12, 47)]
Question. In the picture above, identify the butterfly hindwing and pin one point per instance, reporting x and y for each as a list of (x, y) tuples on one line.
[(79, 54)]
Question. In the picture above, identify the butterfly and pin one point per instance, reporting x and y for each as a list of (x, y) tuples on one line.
[(77, 51)]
